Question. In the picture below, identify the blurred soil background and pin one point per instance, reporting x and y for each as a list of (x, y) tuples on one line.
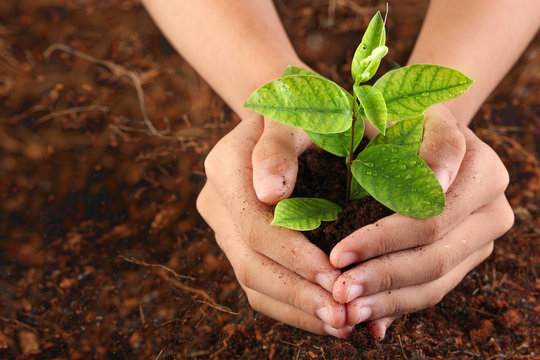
[(102, 252)]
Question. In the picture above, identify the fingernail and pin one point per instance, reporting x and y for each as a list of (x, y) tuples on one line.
[(270, 185), (363, 314), (347, 259), (327, 280), (354, 291), (324, 315), (443, 177), (383, 331), (339, 333)]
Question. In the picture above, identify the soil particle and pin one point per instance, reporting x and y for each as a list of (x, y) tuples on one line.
[(511, 318), (484, 331)]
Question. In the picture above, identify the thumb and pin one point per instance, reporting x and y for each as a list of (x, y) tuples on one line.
[(275, 160), (443, 147)]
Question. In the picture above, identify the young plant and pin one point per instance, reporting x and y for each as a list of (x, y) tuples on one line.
[(389, 168)]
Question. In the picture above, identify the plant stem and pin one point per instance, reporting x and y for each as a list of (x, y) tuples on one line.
[(351, 154)]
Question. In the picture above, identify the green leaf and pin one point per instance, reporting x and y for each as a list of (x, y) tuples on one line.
[(357, 191), (339, 144), (400, 180), (295, 70), (374, 37), (406, 133), (306, 101), (304, 214), (374, 107), (410, 90)]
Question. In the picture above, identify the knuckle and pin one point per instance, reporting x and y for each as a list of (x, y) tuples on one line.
[(435, 298), (507, 217), (382, 245), (456, 140), (493, 165), (293, 297), (213, 162), (443, 143), (303, 322), (386, 281), (254, 301), (441, 264), (432, 230), (503, 176), (393, 307), (489, 250), (242, 275), (455, 143), (203, 201)]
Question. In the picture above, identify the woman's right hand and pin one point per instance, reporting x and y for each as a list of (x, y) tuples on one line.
[(284, 275)]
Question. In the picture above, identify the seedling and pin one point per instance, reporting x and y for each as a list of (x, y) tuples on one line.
[(389, 168)]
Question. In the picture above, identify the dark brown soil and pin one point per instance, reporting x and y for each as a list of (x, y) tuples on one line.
[(323, 175), (96, 211)]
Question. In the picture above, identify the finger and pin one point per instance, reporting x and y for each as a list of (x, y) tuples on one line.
[(232, 182), (261, 274), (482, 178), (275, 161), (430, 262), (443, 146), (412, 298), (377, 328), (293, 316)]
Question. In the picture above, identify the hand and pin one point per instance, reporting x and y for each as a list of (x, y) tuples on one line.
[(284, 275), (406, 264)]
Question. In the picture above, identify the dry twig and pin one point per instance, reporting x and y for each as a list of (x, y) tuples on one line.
[(118, 71), (224, 345), (159, 355), (72, 110), (321, 349), (202, 293), (15, 321), (218, 307), (168, 269), (401, 346)]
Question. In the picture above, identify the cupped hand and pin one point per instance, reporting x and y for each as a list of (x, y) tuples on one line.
[(406, 264), (284, 275)]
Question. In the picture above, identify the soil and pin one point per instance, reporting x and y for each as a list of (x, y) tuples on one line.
[(323, 175), (102, 252)]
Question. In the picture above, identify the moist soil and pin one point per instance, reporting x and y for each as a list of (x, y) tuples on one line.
[(102, 252), (323, 175)]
